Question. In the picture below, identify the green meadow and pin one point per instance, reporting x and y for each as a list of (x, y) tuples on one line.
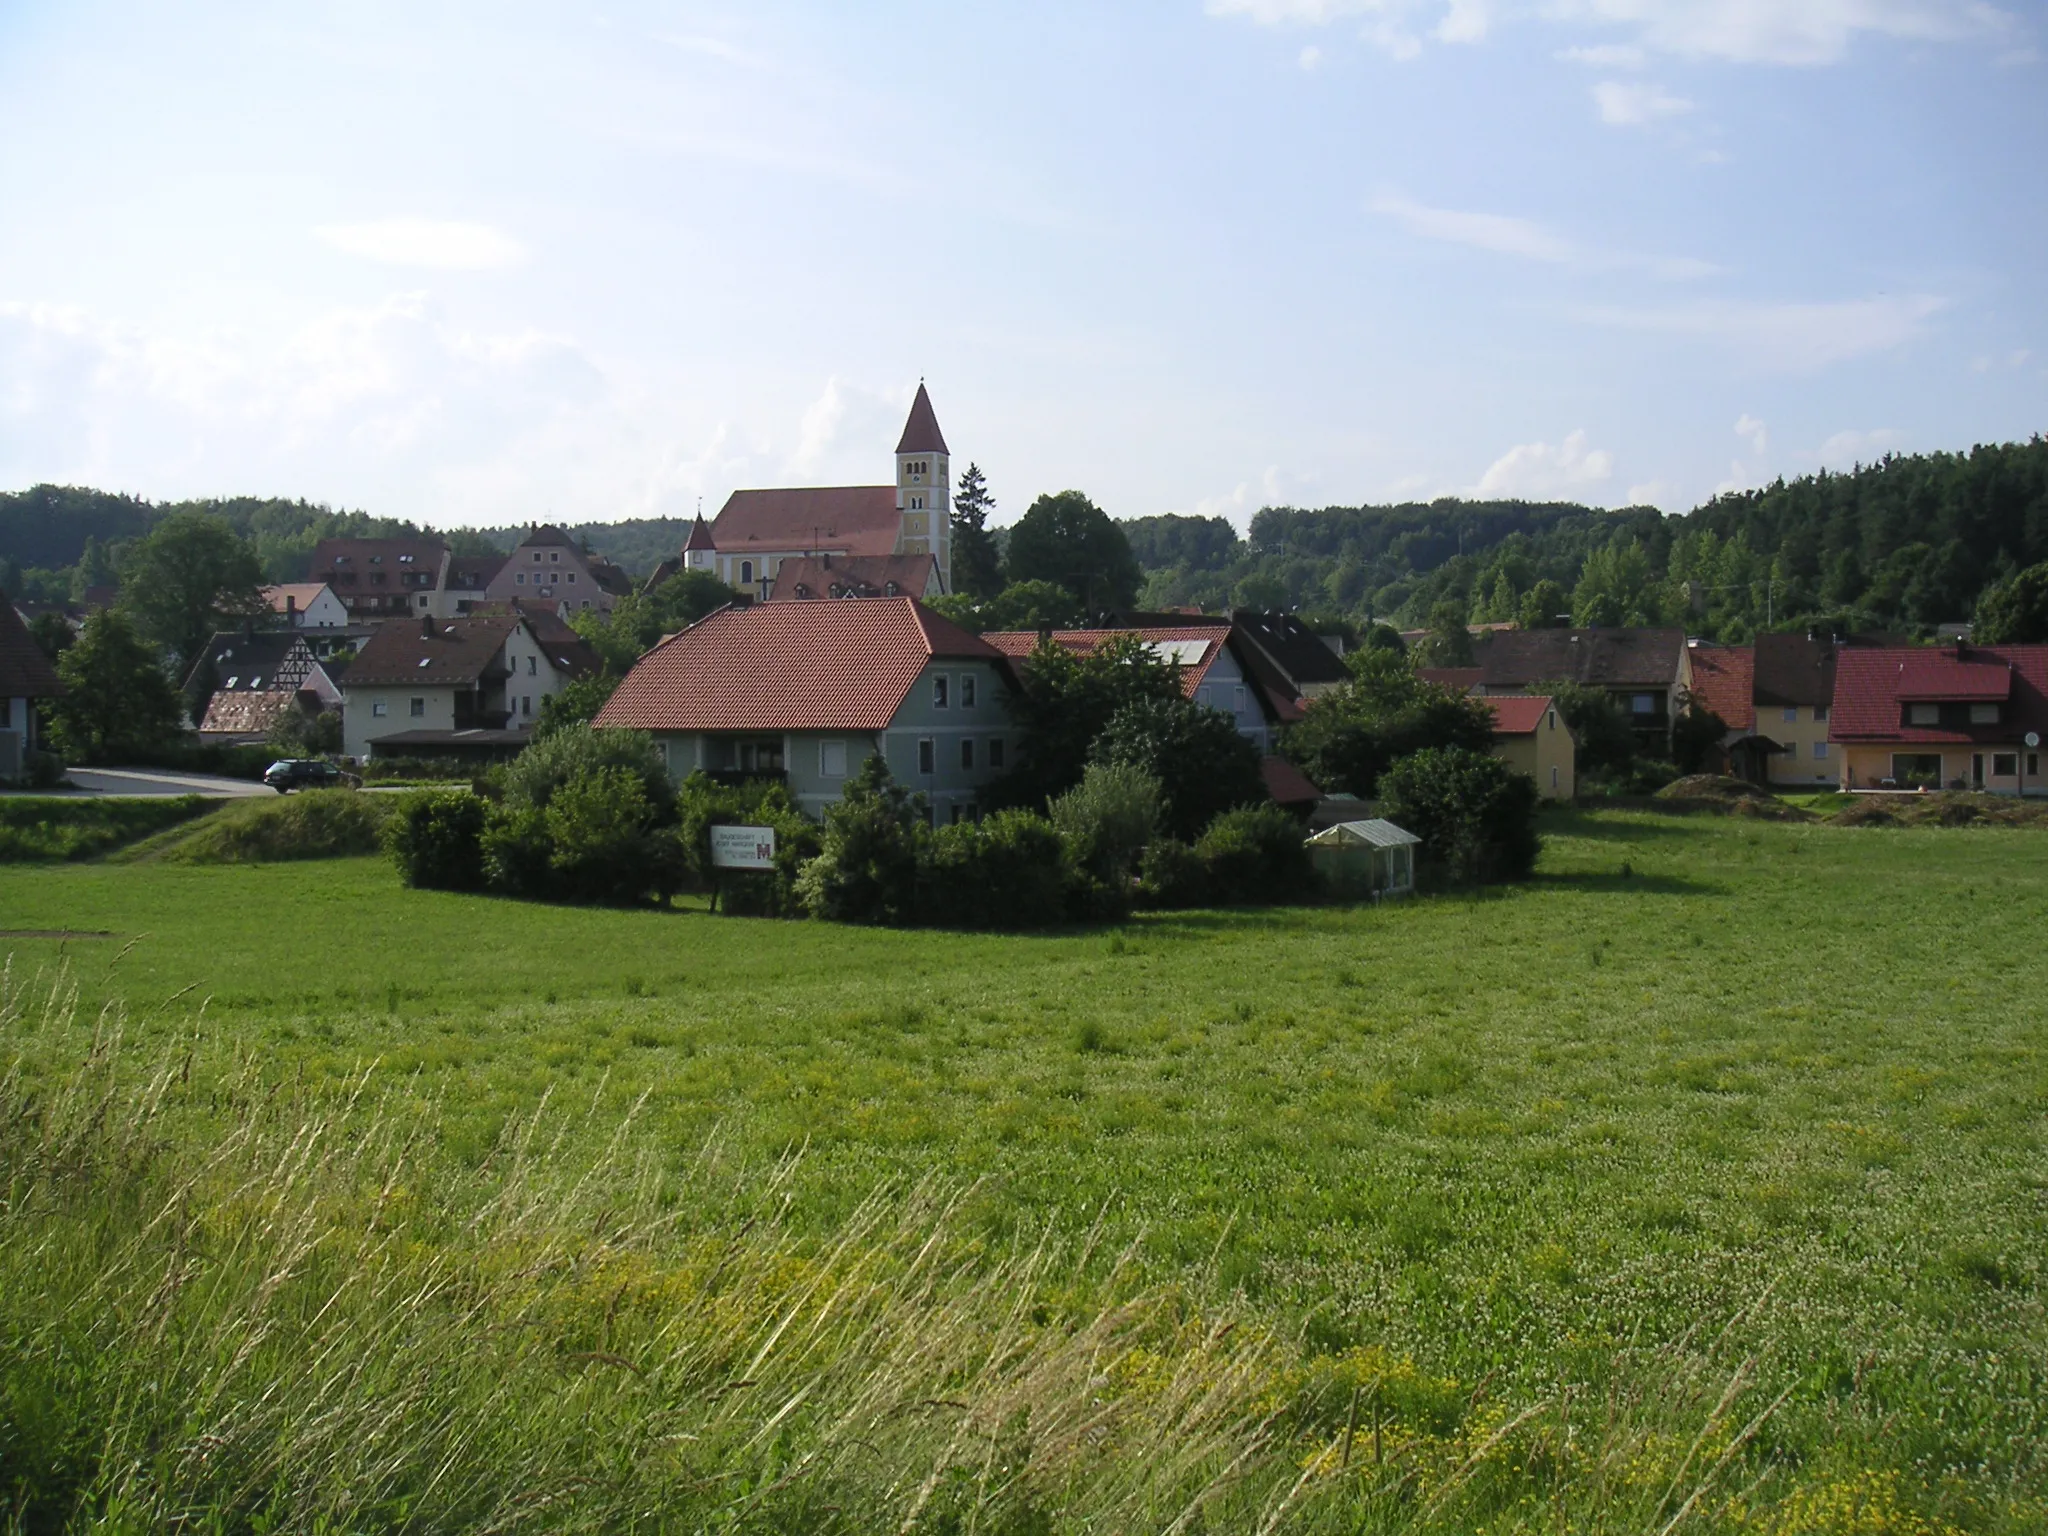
[(1698, 1184)]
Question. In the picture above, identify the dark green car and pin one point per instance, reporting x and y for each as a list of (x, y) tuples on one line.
[(292, 773)]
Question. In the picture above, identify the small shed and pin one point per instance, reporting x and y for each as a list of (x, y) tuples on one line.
[(1365, 858)]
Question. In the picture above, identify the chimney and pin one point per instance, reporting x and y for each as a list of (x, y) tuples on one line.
[(426, 626), (1045, 632), (291, 606)]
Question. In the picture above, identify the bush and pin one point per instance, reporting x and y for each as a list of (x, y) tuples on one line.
[(319, 824), (436, 839), (1475, 815), (1203, 766), (1256, 856), (702, 803), (601, 844), (546, 765), (1171, 875), (1010, 871), (515, 851), (867, 866), (1108, 819)]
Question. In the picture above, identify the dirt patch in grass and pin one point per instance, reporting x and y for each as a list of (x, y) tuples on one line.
[(1728, 797)]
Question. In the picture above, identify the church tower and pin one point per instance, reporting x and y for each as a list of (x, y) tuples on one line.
[(924, 481)]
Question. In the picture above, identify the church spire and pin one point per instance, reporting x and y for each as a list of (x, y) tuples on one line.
[(921, 432)]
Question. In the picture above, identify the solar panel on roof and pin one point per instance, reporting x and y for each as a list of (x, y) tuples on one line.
[(1185, 652)]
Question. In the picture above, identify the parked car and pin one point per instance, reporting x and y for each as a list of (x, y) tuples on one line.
[(292, 773)]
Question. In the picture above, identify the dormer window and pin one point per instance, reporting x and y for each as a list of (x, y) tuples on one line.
[(1923, 714), (405, 559), (1983, 714)]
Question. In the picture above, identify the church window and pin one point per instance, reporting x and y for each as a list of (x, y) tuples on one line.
[(917, 503), (746, 570)]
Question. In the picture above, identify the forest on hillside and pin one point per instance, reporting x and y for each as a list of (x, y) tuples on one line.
[(1905, 544)]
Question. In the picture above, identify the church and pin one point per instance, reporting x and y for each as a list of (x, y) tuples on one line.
[(838, 541)]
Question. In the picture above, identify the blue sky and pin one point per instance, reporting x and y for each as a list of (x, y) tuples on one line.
[(488, 264)]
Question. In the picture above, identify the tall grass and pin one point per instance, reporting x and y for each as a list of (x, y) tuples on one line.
[(36, 827), (230, 1302), (313, 824)]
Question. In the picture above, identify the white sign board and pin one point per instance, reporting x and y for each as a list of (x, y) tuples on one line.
[(742, 847)]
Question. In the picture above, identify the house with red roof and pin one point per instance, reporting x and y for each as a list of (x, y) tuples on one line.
[(1957, 717), (807, 692), (1530, 737), (756, 530), (25, 676), (550, 567), (468, 687)]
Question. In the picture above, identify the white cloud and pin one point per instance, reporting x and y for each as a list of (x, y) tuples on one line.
[(1537, 471), (1310, 59), (1651, 493), (1605, 56), (1846, 449), (1508, 235), (1789, 338), (1987, 363), (1632, 103), (1274, 487), (446, 245), (836, 440), (1748, 426), (1465, 21)]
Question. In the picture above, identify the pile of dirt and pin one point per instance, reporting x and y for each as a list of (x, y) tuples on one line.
[(1727, 797), (1950, 808)]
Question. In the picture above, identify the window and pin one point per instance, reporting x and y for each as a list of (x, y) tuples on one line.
[(926, 755), (1820, 750), (1550, 724), (555, 558), (967, 753), (536, 557), (1237, 701), (831, 759), (381, 708), (1202, 696), (995, 751), (1983, 714), (520, 578), (231, 682), (533, 666), (526, 704), (1643, 704), (940, 687), (418, 709), (2005, 765), (1916, 770), (746, 571), (1923, 714), (572, 578), (2033, 764), (1553, 775), (967, 690), (1820, 712), (1791, 712), (917, 503)]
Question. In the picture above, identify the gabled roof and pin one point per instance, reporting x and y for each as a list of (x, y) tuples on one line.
[(1597, 658), (1375, 834), (845, 666), (472, 573), (1297, 650), (557, 638), (432, 653), (257, 661), (1794, 669), (700, 536), (1723, 677), (301, 594), (846, 519), (843, 576), (242, 713), (25, 672), (1873, 688), (1517, 714), (377, 554), (1194, 646), (546, 533), (1287, 784), (921, 432)]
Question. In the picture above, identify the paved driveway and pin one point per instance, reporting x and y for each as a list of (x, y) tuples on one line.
[(130, 782)]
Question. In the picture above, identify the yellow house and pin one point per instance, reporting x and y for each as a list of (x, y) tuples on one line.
[(1529, 736)]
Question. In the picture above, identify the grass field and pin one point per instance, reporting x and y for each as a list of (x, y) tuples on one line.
[(1713, 1106)]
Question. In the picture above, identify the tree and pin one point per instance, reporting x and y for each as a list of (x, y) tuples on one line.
[(631, 629), (95, 569), (1475, 815), (1108, 819), (1544, 606), (575, 751), (1069, 540), (874, 842), (1603, 739), (118, 704), (1348, 737), (576, 704), (2014, 612), (1204, 767), (1449, 642), (53, 634), (1064, 701), (1021, 605), (189, 577), (977, 566)]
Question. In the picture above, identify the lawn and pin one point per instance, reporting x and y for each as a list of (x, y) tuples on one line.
[(1712, 1104)]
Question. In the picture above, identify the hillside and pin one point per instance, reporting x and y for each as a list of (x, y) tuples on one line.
[(1904, 544)]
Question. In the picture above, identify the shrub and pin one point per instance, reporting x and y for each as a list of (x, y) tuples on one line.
[(546, 765), (515, 851), (1204, 767), (1108, 818), (436, 838), (702, 803), (1256, 856), (867, 866), (600, 830), (1010, 871), (1171, 875), (1475, 815)]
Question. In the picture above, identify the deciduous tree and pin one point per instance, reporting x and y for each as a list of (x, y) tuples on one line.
[(1069, 540), (189, 577), (118, 705)]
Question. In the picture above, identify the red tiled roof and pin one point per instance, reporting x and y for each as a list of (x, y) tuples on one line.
[(1457, 679), (302, 594), (844, 666), (700, 536), (921, 432), (1517, 714), (1287, 784), (1724, 681), (25, 672), (846, 519), (856, 576), (426, 554), (1872, 688), (1598, 658), (457, 652), (1194, 666)]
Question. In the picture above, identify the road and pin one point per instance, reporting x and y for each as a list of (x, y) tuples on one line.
[(130, 783)]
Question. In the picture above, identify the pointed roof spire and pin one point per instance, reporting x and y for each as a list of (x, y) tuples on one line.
[(921, 432), (700, 535)]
